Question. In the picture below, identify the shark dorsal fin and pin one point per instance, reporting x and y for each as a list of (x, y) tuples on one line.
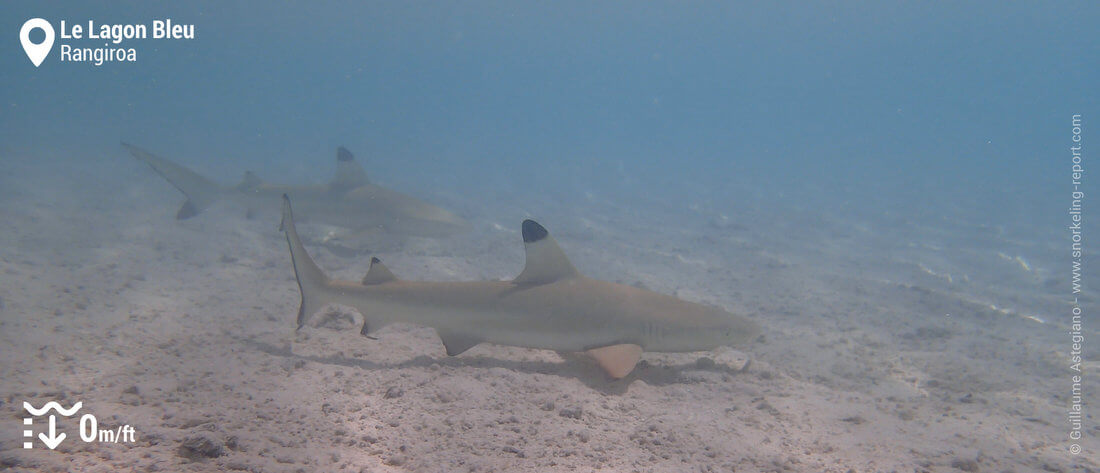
[(249, 181), (378, 273), (349, 174), (546, 262)]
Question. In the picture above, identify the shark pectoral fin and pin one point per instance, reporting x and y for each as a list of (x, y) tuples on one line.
[(546, 262), (456, 343), (349, 174), (378, 273), (617, 360)]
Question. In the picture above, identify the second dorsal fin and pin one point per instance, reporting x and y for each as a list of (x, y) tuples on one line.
[(378, 273), (546, 262), (349, 174)]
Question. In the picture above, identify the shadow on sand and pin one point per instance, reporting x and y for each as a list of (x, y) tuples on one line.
[(576, 365)]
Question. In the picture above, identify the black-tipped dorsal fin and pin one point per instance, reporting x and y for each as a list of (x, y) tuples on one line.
[(546, 262), (378, 273), (249, 181), (349, 174)]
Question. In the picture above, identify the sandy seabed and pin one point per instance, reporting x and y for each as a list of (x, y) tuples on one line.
[(892, 342)]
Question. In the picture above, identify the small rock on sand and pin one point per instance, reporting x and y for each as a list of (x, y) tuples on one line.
[(198, 447)]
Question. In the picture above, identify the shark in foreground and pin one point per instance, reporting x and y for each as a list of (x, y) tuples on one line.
[(349, 201), (548, 306)]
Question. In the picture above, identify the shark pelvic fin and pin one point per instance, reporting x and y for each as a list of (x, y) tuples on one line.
[(546, 262), (617, 360), (349, 174), (456, 343), (378, 273)]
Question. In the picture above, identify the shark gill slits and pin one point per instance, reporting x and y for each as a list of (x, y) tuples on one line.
[(533, 232), (343, 155)]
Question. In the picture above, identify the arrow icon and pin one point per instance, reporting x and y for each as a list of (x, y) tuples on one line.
[(54, 439)]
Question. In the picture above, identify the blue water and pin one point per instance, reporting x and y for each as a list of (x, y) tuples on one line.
[(894, 102)]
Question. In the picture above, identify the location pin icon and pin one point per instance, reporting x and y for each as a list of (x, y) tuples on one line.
[(37, 52)]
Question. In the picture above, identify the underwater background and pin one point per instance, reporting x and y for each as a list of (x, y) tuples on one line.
[(889, 102)]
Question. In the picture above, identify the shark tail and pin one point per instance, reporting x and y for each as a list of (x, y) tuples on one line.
[(200, 191), (311, 280)]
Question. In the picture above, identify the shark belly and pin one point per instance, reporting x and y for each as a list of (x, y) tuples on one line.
[(528, 330), (492, 312)]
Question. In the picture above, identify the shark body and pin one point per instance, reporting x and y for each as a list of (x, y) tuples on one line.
[(548, 306), (349, 201)]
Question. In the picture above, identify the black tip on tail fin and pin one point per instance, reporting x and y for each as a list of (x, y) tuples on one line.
[(200, 191), (312, 282), (533, 232), (187, 211), (288, 215)]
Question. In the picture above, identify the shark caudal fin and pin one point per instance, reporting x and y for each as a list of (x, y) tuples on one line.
[(311, 280), (200, 191)]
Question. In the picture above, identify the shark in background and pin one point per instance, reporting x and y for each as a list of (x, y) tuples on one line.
[(350, 201), (550, 305)]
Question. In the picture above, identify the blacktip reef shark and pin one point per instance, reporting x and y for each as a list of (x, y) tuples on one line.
[(349, 201), (548, 306)]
